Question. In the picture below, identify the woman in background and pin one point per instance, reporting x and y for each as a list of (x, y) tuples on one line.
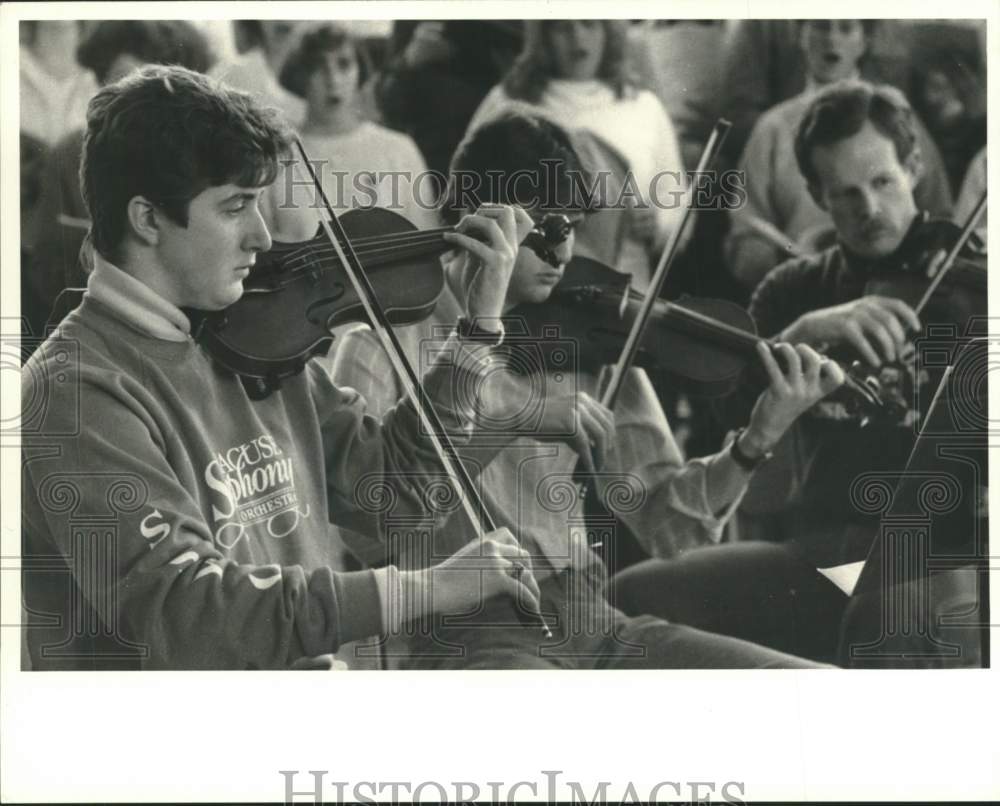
[(574, 73), (360, 164), (263, 47), (55, 88)]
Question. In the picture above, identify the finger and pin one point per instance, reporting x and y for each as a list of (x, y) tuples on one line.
[(524, 595), (487, 227), (583, 448), (903, 311), (471, 245), (883, 339), (891, 321), (504, 215), (596, 438), (857, 339), (503, 537), (790, 361), (896, 327), (831, 375), (527, 578), (811, 361), (770, 365), (603, 414), (523, 222), (935, 262)]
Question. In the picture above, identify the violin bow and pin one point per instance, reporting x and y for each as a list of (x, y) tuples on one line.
[(475, 508), (634, 339), (949, 260)]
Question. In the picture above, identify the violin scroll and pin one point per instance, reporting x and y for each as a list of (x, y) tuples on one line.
[(551, 232)]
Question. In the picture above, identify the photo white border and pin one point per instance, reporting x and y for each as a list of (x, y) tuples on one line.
[(174, 737)]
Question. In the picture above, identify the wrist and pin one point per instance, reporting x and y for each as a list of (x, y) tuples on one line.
[(753, 444), (414, 595), (485, 329)]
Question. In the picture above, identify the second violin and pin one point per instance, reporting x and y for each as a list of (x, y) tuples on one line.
[(708, 343)]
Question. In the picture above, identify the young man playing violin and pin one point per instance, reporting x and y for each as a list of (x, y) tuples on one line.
[(529, 485), (169, 521), (856, 148)]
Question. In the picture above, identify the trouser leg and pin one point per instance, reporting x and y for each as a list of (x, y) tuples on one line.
[(756, 591)]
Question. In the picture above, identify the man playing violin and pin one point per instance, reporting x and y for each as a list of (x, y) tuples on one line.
[(856, 148), (548, 422), (169, 521)]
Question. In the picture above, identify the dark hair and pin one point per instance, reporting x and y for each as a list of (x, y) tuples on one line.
[(840, 110), (513, 143), (308, 55), (149, 41), (530, 74), (168, 133)]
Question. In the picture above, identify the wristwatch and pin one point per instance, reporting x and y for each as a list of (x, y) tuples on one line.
[(469, 330), (748, 463)]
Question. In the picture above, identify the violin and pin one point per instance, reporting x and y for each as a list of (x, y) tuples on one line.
[(709, 344), (296, 292), (940, 272)]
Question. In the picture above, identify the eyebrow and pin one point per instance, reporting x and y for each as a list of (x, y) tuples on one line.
[(242, 195)]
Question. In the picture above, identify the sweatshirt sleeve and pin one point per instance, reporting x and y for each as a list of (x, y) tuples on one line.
[(108, 503), (380, 459)]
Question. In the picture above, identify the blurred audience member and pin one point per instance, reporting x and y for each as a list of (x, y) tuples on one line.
[(263, 47), (679, 61), (55, 89), (574, 73), (360, 163), (438, 76), (949, 97), (111, 50), (780, 218), (763, 64), (973, 187)]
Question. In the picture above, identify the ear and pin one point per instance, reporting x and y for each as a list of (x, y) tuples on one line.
[(817, 196), (144, 220), (913, 165)]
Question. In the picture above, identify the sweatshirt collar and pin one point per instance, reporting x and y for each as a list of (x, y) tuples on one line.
[(136, 303)]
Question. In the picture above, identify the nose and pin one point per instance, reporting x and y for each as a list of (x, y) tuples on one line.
[(565, 250), (258, 238), (868, 205)]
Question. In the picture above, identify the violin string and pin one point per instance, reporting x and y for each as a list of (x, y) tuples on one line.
[(707, 326), (374, 257), (430, 236), (414, 246), (953, 253)]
